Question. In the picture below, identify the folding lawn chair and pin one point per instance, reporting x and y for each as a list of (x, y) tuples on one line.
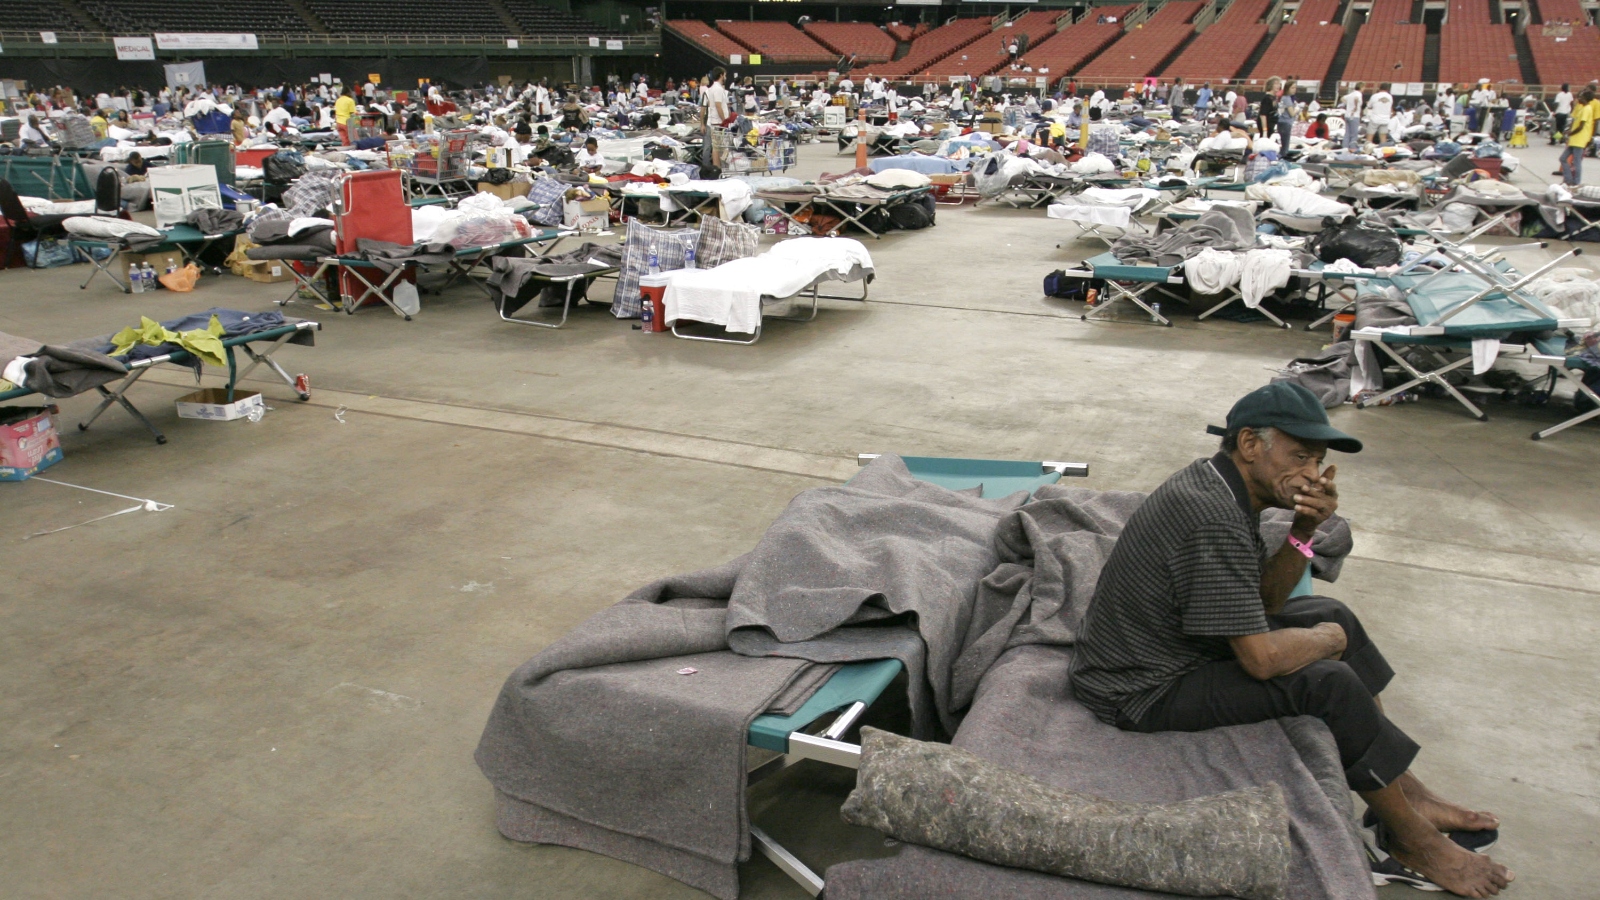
[(856, 686)]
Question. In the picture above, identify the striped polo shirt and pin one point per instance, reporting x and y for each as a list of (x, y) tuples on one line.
[(1184, 576)]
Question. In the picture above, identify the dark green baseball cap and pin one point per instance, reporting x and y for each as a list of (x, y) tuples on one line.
[(1292, 410)]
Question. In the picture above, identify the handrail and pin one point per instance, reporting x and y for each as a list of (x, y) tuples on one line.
[(1135, 16), (1275, 16), (80, 38)]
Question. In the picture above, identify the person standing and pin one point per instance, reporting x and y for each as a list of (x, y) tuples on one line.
[(1380, 107), (1202, 101), (1579, 133), (1351, 106), (343, 109), (1561, 113), (1175, 96), (1287, 110)]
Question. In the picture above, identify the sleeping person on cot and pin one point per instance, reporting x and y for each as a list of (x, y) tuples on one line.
[(1191, 627)]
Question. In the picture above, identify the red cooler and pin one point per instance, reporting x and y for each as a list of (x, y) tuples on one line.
[(653, 290)]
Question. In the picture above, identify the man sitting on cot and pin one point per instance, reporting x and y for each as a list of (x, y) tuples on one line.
[(1191, 628)]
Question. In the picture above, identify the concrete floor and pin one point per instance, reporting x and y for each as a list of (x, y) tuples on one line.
[(274, 689)]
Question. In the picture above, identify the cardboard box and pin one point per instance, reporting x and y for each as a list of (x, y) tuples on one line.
[(177, 191), (952, 179), (212, 403), (28, 446), (589, 223), (505, 191), (595, 206), (266, 271)]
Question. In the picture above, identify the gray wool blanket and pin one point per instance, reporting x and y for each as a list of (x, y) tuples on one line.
[(599, 742), (1220, 228), (1025, 720), (60, 371)]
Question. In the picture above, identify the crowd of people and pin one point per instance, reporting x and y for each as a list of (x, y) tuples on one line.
[(542, 119)]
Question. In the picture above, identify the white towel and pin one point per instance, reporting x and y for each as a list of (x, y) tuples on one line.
[(1484, 353), (1264, 272), (1211, 270)]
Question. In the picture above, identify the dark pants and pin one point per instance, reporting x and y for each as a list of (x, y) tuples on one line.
[(1339, 692)]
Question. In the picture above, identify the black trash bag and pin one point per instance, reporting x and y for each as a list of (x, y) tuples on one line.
[(1364, 243), (283, 167), (498, 175)]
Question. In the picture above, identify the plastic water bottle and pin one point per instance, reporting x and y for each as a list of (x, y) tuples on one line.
[(135, 278), (1155, 313), (688, 256), (647, 315), (172, 267), (655, 262), (149, 274)]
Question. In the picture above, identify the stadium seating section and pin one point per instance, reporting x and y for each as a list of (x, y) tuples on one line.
[(1469, 12), (534, 17), (145, 16), (1142, 50), (906, 33), (1077, 43), (1388, 48), (1469, 52), (403, 16), (707, 38), (866, 42), (990, 54), (777, 42), (18, 16), (1575, 60), (936, 45), (1305, 47), (1222, 50)]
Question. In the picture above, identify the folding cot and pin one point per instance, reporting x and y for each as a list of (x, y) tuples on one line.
[(189, 242), (856, 686), (1118, 276), (850, 204), (1456, 311), (460, 264), (296, 331), (735, 294), (1574, 369), (569, 283), (692, 205), (1032, 190), (1096, 209)]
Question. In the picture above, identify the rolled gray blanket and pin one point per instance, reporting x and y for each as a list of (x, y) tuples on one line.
[(1232, 844)]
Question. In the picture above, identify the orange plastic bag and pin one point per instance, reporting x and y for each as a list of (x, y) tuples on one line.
[(182, 280)]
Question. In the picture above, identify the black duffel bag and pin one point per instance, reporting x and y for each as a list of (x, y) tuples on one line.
[(283, 167)]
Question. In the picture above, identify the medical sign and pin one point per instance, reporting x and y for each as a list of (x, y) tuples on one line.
[(134, 48)]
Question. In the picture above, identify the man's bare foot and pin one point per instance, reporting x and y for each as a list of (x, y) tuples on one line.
[(1458, 871), (1444, 815)]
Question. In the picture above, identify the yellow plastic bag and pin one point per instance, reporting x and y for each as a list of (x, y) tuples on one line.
[(182, 280)]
